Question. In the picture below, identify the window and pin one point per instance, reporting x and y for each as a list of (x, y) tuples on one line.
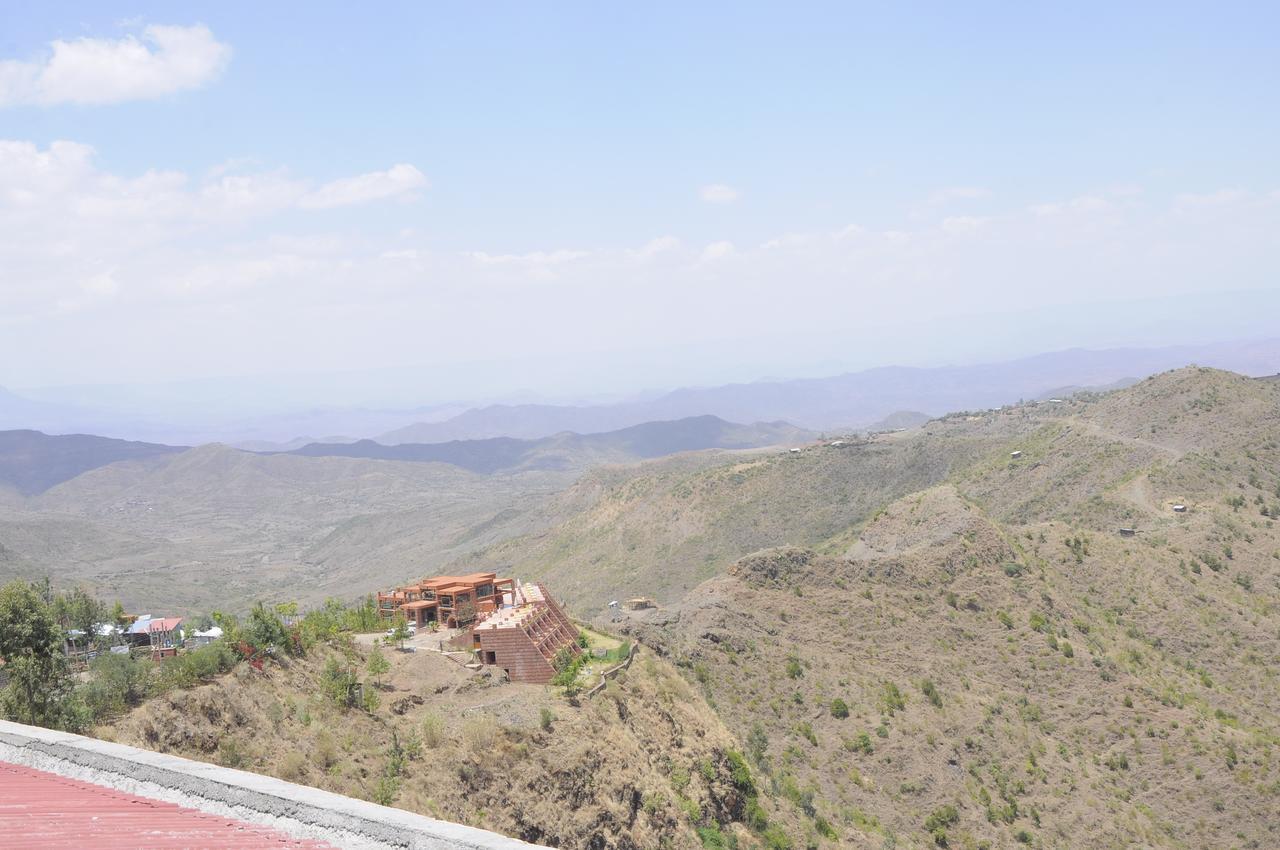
[(464, 597), (446, 601), (429, 594), (484, 591)]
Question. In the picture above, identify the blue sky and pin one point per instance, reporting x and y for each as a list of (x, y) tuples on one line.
[(613, 182)]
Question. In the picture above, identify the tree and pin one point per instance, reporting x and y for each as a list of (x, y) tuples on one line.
[(264, 629), (40, 690), (378, 665), (400, 632), (79, 609)]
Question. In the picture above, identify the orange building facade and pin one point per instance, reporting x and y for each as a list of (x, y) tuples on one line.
[(520, 629), (525, 638), (451, 601)]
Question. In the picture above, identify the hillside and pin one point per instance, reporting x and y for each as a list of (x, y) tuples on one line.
[(1003, 650), (659, 529), (190, 530), (31, 462), (571, 451), (213, 527), (519, 759)]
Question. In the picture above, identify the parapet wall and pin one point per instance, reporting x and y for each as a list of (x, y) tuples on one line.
[(294, 809)]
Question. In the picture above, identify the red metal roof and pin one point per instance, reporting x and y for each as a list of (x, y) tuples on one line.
[(41, 810)]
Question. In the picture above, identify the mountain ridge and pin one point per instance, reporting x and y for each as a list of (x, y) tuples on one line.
[(853, 400), (568, 450)]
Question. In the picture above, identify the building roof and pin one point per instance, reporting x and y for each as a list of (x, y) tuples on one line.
[(463, 581), (167, 624), (41, 810), (419, 603)]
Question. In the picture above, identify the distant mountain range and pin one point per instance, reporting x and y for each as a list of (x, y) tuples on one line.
[(856, 399), (572, 451), (31, 462), (850, 401)]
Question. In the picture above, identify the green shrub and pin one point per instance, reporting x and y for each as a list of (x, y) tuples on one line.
[(775, 838), (794, 669), (937, 822), (567, 664), (930, 690), (892, 698), (432, 730), (712, 838), (118, 683), (385, 791), (860, 743), (188, 669), (839, 709), (741, 773)]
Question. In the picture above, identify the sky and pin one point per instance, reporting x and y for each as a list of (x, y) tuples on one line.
[(587, 198)]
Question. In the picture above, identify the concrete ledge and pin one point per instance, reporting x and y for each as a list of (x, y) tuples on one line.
[(294, 809)]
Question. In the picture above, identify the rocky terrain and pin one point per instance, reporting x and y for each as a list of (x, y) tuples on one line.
[(993, 661), (640, 765)]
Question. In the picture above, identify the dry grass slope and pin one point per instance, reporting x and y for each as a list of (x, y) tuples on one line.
[(998, 647)]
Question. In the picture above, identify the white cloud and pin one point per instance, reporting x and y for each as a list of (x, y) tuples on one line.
[(718, 193), (401, 181), (1222, 197), (654, 247), (962, 223), (93, 71), (717, 251), (254, 193), (1082, 204), (99, 271), (950, 194), (533, 258), (404, 254)]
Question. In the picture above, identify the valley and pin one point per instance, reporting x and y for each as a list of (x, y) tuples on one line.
[(993, 630)]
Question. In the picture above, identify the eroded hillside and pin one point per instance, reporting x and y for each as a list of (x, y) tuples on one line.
[(623, 769), (994, 661)]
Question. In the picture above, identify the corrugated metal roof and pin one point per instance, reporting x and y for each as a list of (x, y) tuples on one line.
[(44, 811)]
